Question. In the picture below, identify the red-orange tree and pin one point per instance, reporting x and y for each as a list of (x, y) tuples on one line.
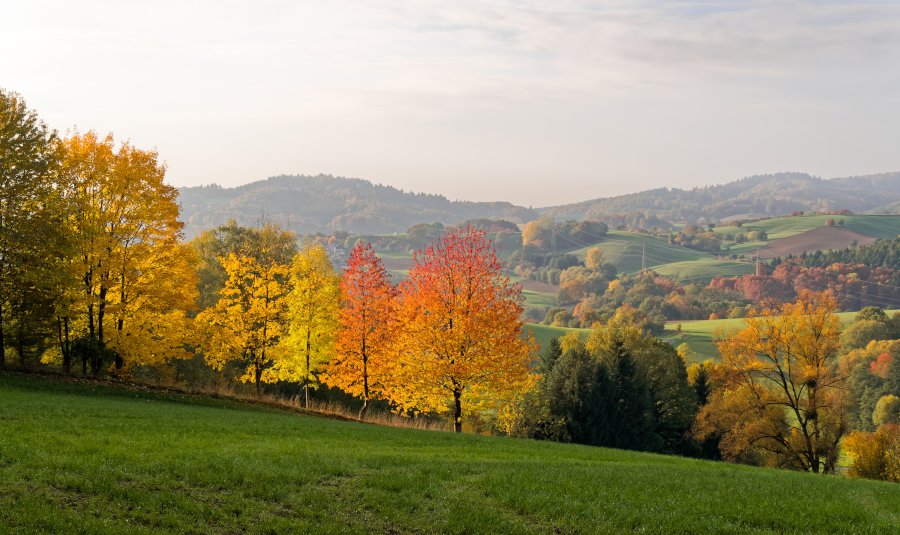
[(460, 329), (364, 340)]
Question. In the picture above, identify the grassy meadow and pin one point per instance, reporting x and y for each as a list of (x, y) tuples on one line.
[(700, 335), (81, 457)]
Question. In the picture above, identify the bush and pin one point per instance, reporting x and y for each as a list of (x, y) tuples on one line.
[(875, 455)]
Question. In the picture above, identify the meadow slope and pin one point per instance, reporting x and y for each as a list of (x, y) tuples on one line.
[(103, 459)]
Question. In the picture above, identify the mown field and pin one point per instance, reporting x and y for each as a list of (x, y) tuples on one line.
[(700, 335), (876, 226), (104, 459)]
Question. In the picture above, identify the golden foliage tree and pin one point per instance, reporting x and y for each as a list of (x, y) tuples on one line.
[(781, 398), (461, 334), (245, 324), (124, 220), (312, 317), (875, 455), (362, 363)]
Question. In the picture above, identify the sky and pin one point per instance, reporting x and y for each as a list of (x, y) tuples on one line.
[(536, 103)]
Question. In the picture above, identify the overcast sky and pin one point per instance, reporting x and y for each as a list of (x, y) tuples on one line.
[(532, 102)]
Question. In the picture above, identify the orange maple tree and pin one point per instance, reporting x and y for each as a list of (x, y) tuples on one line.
[(364, 341), (461, 329)]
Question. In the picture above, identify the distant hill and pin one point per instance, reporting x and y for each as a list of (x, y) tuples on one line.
[(751, 197), (323, 203)]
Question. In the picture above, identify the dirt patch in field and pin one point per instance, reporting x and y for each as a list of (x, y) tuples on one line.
[(817, 239), (541, 287)]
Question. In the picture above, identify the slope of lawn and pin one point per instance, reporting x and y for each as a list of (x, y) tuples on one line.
[(624, 249), (700, 335), (544, 333), (101, 459), (876, 226), (703, 271)]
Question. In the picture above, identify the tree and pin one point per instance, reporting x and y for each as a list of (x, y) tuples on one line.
[(131, 267), (32, 239), (363, 361), (594, 258), (462, 328), (887, 410), (875, 455), (231, 238), (312, 317), (246, 323), (783, 396)]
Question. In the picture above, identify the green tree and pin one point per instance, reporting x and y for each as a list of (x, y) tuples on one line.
[(32, 241)]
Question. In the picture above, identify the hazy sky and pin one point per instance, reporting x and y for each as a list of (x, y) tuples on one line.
[(532, 102)]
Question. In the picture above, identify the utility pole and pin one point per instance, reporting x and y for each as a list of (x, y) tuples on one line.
[(643, 255), (553, 233)]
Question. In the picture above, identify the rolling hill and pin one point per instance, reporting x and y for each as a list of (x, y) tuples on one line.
[(323, 203), (751, 197), (83, 457)]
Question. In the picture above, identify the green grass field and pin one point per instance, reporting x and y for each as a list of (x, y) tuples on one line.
[(703, 271), (877, 226), (700, 335), (544, 333), (624, 250), (101, 459)]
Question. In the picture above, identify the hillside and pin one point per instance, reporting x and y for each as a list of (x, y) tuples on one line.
[(102, 459), (751, 197), (322, 203)]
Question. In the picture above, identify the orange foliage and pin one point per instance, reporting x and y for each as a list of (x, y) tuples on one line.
[(364, 343), (461, 329)]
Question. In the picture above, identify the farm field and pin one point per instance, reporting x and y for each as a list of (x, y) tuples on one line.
[(107, 459), (876, 226), (623, 249), (700, 335), (703, 271)]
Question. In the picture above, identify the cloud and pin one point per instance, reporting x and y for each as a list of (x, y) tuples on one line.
[(433, 95)]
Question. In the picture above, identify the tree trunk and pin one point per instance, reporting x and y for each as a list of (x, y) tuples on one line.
[(457, 410), (101, 313), (257, 372), (365, 406), (62, 326), (2, 341), (306, 381), (119, 361)]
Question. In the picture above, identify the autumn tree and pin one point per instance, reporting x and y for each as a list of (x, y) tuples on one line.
[(231, 238), (594, 258), (32, 240), (246, 323), (312, 317), (136, 280), (461, 328), (782, 397), (364, 347)]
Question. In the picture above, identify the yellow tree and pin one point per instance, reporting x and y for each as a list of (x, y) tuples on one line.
[(246, 323), (363, 362), (124, 219), (461, 334), (781, 396), (312, 317)]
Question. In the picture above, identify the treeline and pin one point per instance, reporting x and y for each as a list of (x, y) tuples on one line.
[(854, 285), (882, 253)]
